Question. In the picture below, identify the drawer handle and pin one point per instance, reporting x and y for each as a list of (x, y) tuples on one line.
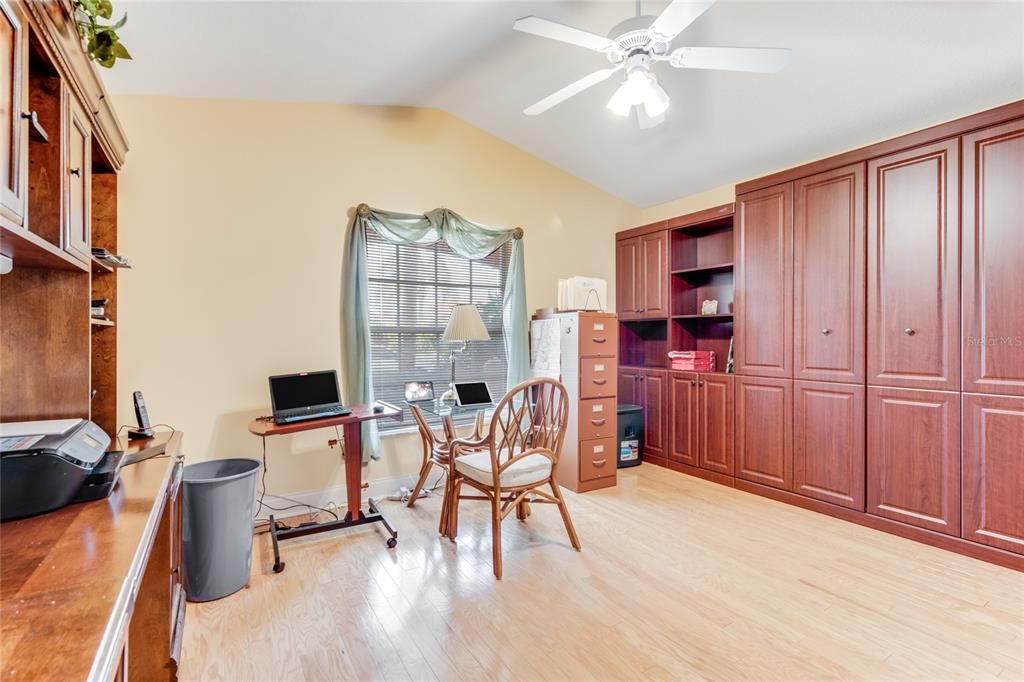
[(598, 422), (77, 172), (598, 339), (909, 331), (600, 382), (826, 331), (599, 462)]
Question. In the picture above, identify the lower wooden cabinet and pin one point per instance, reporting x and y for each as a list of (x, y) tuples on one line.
[(684, 418), (701, 420), (764, 419), (649, 388), (828, 442), (913, 457), (654, 391), (993, 471)]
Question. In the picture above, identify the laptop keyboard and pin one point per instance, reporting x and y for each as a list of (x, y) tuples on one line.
[(298, 415)]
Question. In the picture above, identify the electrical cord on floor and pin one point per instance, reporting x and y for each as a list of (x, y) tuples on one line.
[(263, 492)]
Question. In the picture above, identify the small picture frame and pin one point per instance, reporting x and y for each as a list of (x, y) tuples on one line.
[(709, 307)]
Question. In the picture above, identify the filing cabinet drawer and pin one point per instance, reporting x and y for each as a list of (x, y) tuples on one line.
[(597, 418), (599, 337), (598, 377), (597, 458)]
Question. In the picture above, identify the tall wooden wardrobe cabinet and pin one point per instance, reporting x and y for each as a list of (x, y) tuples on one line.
[(880, 335)]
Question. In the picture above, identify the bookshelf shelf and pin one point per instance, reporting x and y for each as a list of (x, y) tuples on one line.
[(97, 322), (717, 316), (705, 269)]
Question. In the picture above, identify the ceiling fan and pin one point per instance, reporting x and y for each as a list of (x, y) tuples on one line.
[(636, 45)]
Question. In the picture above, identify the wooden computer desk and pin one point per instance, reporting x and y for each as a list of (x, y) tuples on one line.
[(352, 431)]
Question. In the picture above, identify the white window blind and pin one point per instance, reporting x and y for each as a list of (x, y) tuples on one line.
[(412, 290)]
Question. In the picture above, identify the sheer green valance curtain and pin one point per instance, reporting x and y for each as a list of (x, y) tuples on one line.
[(466, 238)]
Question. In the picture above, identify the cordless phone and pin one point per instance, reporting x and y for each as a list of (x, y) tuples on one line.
[(142, 417)]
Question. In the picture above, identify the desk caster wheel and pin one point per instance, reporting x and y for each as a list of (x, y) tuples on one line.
[(392, 543)]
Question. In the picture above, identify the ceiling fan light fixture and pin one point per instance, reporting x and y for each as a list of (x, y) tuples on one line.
[(621, 104), (655, 100)]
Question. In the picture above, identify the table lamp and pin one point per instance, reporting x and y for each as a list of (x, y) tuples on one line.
[(464, 326)]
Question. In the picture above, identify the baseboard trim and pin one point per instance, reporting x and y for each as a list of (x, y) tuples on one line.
[(713, 476), (323, 497)]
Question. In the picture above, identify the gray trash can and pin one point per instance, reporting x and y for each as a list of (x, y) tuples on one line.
[(220, 500)]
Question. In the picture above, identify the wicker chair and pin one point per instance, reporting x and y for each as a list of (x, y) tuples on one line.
[(516, 460)]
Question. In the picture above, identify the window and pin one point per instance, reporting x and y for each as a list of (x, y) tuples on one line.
[(412, 290)]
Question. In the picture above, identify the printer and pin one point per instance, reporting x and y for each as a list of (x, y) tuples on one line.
[(45, 465)]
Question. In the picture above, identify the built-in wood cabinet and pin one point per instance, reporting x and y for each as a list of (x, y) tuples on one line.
[(764, 420), (701, 420), (641, 276), (684, 411), (79, 181), (828, 442), (993, 471), (913, 324), (913, 457), (764, 282), (648, 388), (828, 276), (878, 336), (993, 260), (654, 391), (13, 128)]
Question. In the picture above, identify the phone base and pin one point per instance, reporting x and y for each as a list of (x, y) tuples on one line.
[(140, 434)]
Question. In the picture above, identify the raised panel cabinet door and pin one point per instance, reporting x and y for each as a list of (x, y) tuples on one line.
[(684, 410), (764, 420), (993, 476), (993, 259), (716, 422), (913, 458), (628, 390), (654, 387), (79, 170), (828, 276), (13, 99), (828, 442), (913, 268), (654, 280), (627, 272), (764, 283)]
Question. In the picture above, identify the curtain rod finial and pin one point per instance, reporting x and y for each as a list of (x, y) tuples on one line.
[(363, 210), (517, 233)]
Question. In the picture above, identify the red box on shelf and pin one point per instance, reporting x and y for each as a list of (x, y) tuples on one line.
[(693, 360)]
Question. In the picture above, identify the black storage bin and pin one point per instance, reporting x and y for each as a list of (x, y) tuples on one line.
[(630, 441)]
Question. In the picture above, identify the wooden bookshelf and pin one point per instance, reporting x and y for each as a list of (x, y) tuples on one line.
[(55, 359)]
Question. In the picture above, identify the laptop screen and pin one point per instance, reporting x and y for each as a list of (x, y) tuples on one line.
[(473, 393), (307, 389)]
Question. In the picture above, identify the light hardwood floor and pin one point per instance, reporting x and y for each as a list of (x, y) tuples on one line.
[(678, 578)]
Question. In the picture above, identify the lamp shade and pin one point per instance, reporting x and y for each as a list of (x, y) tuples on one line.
[(465, 325)]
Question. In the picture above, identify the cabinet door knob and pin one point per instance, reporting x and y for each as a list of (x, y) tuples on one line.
[(826, 331), (693, 382), (700, 383), (909, 331), (77, 172)]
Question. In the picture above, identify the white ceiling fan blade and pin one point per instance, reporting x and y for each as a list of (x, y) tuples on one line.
[(676, 17), (645, 121), (566, 34), (568, 91), (754, 59)]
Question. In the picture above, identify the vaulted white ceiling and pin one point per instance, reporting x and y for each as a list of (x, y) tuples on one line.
[(860, 71)]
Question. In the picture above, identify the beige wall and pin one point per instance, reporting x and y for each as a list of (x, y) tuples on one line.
[(234, 214), (694, 202)]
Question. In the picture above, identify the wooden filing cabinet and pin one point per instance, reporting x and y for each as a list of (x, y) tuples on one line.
[(588, 352)]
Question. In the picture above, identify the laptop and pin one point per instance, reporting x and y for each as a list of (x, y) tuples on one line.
[(472, 393), (306, 395)]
